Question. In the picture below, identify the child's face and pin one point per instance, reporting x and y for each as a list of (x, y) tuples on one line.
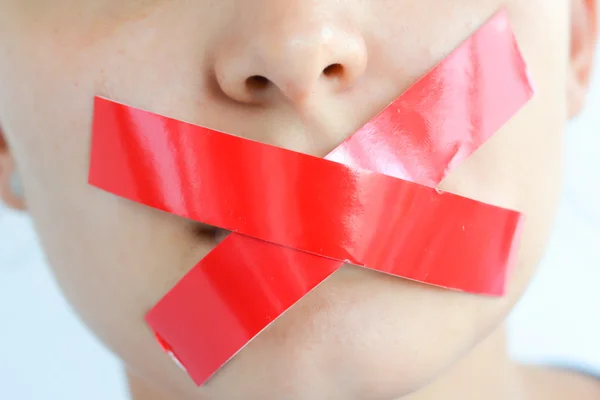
[(190, 60)]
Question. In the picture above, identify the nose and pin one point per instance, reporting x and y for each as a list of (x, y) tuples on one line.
[(291, 54)]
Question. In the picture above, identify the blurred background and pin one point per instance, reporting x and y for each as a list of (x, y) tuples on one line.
[(46, 353)]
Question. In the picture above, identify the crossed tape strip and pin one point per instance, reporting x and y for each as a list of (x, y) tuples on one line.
[(297, 219)]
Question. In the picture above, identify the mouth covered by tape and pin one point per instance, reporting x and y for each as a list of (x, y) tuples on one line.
[(296, 219)]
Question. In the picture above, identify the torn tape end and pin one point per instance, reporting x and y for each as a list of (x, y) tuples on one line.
[(168, 349)]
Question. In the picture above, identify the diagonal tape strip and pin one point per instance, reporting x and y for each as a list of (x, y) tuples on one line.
[(312, 215)]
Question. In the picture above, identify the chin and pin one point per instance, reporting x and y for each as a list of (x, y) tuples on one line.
[(345, 340)]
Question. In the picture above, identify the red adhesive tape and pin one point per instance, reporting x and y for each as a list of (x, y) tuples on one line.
[(297, 219), (302, 202)]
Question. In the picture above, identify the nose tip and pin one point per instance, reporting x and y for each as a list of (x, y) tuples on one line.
[(294, 65)]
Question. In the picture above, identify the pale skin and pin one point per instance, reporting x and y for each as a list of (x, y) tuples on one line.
[(360, 335)]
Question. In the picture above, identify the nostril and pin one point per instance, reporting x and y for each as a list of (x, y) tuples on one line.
[(334, 71), (257, 82)]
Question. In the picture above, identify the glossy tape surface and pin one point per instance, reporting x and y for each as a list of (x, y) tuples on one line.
[(303, 202), (298, 218)]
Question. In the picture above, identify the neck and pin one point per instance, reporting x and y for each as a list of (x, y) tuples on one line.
[(486, 373)]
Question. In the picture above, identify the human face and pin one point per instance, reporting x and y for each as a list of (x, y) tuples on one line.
[(359, 334)]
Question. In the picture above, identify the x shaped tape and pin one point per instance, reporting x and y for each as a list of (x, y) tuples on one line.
[(296, 219)]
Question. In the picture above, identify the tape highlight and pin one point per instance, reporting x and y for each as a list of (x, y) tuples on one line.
[(298, 218)]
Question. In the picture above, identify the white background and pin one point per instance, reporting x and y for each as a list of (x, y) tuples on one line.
[(45, 352)]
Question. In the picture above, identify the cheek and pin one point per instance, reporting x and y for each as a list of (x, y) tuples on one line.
[(520, 168), (112, 259)]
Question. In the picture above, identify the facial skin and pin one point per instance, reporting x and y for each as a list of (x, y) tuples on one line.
[(360, 335)]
